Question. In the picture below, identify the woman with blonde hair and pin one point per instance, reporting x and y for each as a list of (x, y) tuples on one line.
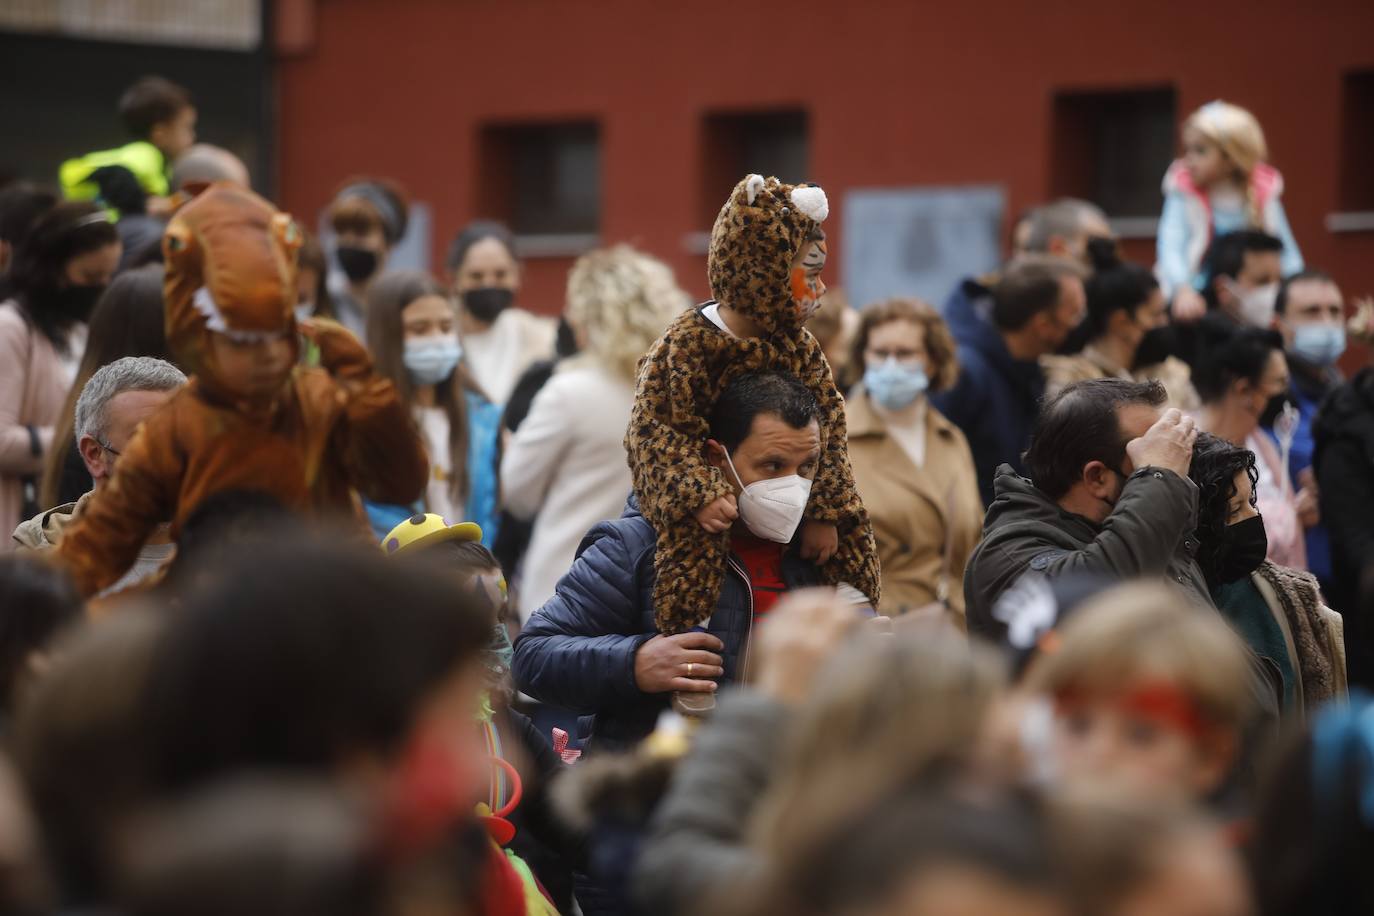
[(913, 466), (1223, 183), (565, 466)]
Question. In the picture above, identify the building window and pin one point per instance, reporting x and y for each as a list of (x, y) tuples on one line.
[(1357, 143), (771, 143), (1113, 148), (543, 179)]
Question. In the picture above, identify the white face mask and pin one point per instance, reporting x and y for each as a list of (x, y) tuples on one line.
[(772, 509), (1257, 305), (431, 359)]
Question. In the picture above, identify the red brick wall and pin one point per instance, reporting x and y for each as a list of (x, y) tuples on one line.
[(898, 94)]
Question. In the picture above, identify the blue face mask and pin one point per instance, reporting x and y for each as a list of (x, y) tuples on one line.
[(1319, 344), (431, 359), (894, 385), (500, 652)]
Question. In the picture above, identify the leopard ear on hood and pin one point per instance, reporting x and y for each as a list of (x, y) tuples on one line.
[(759, 232), (231, 267)]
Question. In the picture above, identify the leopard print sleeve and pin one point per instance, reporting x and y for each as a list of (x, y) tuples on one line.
[(668, 426)]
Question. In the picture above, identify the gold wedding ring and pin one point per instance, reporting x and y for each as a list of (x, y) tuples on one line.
[(691, 668)]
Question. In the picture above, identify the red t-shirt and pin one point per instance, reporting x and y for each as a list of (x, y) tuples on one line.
[(762, 560)]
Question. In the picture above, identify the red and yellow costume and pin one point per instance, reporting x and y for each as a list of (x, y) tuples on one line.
[(231, 268)]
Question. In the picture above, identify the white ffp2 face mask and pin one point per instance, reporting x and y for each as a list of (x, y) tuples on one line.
[(1257, 305), (772, 509)]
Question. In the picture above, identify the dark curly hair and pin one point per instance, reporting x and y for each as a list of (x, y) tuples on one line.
[(1216, 463)]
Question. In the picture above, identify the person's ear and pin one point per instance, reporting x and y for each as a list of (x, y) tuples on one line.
[(1243, 389), (1221, 288), (93, 456), (1098, 479), (714, 453), (1122, 323)]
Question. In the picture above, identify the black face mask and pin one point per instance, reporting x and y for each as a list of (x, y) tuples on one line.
[(1157, 345), (358, 263), (1274, 408), (74, 303), (486, 302), (1244, 546)]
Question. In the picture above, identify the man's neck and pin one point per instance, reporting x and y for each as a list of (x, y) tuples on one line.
[(1022, 345), (1116, 351), (1227, 423), (1309, 375), (1080, 503)]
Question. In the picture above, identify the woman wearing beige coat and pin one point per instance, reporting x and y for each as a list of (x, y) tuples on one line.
[(913, 467)]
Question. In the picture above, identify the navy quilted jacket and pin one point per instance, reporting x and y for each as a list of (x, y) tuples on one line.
[(578, 650)]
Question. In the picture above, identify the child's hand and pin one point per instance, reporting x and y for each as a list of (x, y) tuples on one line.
[(1189, 305), (342, 354), (819, 541), (719, 514)]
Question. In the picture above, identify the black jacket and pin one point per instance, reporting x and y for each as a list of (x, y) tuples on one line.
[(1344, 462), (1149, 533), (578, 650)]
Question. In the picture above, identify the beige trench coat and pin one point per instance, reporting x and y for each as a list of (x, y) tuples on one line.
[(915, 511)]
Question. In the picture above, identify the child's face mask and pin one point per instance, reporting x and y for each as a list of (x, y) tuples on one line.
[(807, 287)]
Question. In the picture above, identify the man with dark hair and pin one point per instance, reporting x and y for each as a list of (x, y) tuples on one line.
[(1002, 332), (593, 647), (1109, 496), (1311, 318), (1243, 271)]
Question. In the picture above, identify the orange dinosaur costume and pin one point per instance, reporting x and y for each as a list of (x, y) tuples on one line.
[(231, 269)]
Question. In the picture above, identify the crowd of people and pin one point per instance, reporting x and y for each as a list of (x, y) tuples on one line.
[(341, 588)]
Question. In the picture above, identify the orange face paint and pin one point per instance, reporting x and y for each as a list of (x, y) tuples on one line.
[(807, 287)]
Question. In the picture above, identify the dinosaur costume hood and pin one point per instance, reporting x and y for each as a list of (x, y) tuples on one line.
[(759, 232), (231, 268)]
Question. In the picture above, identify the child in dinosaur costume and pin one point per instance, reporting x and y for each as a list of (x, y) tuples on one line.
[(767, 251), (249, 419)]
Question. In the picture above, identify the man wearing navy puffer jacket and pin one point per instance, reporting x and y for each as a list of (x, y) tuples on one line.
[(593, 647)]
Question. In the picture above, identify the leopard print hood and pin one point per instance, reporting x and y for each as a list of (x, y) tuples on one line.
[(758, 233), (231, 267)]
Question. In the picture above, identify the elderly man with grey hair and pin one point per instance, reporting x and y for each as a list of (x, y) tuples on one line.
[(114, 402), (203, 165)]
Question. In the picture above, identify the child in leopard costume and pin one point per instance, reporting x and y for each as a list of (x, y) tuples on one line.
[(767, 250)]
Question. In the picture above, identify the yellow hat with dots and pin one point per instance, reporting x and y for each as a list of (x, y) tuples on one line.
[(423, 530)]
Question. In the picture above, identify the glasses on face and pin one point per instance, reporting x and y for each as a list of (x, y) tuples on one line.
[(900, 354), (106, 446)]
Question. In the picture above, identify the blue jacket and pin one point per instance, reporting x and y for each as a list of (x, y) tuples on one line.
[(996, 397), (1310, 386), (484, 432), (578, 650)]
